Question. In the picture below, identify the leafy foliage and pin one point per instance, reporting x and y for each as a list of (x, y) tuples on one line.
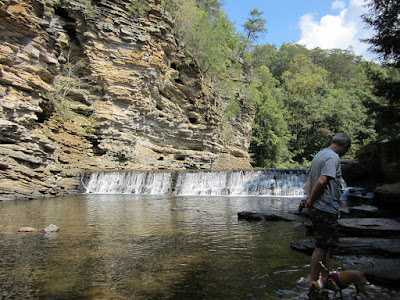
[(254, 28), (384, 19), (301, 97)]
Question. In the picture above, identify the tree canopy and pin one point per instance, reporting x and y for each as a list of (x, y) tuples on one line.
[(302, 97), (384, 18)]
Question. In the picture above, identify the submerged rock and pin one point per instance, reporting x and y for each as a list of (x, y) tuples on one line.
[(51, 228), (27, 229), (254, 216)]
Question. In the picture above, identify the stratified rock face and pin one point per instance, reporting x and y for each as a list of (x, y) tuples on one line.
[(96, 87)]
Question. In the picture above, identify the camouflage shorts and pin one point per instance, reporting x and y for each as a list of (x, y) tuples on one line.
[(325, 228)]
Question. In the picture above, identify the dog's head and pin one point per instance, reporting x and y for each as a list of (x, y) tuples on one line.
[(319, 284)]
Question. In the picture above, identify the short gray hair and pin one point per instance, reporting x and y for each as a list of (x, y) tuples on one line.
[(341, 139)]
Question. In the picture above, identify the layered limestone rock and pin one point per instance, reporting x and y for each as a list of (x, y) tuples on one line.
[(98, 87)]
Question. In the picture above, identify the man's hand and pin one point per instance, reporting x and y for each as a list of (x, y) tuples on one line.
[(302, 204)]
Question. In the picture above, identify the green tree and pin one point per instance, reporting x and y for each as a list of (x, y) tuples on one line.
[(342, 65), (270, 131), (303, 77), (385, 106), (384, 18), (280, 62), (254, 28), (213, 7)]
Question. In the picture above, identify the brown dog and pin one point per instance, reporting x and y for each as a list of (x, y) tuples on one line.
[(337, 281)]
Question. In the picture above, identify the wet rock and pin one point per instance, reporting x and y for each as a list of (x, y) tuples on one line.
[(305, 246), (357, 196), (369, 211), (27, 229), (372, 227), (51, 228), (368, 246), (365, 227), (254, 216), (250, 216), (388, 196), (356, 246)]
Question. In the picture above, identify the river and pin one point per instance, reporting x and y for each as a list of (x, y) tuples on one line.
[(129, 246), (149, 247)]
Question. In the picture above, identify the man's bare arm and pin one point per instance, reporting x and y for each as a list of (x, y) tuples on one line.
[(317, 190)]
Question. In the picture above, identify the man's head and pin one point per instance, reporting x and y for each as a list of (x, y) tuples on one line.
[(341, 143)]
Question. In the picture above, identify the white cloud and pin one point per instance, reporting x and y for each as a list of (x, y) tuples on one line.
[(343, 30), (338, 5)]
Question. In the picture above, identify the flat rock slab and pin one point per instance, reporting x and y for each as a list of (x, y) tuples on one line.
[(369, 211), (368, 246), (356, 246), (305, 246), (27, 229), (372, 227), (255, 216)]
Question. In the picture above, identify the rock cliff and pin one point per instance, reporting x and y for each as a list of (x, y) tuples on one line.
[(93, 85)]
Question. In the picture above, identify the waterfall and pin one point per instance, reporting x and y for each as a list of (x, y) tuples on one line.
[(211, 183)]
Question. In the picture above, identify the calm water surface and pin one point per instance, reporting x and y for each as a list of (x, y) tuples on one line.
[(150, 247)]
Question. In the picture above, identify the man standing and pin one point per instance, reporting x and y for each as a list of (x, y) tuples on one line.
[(323, 191)]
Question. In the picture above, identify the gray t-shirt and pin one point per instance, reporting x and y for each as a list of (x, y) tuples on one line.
[(327, 162)]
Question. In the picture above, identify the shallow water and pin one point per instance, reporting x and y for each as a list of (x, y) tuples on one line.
[(150, 247)]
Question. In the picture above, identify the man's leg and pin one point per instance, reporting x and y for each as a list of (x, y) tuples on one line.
[(322, 255), (325, 272)]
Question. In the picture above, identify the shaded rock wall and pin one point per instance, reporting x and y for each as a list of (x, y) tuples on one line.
[(377, 168), (98, 87), (375, 164)]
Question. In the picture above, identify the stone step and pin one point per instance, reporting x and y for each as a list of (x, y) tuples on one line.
[(369, 227), (366, 227), (356, 246)]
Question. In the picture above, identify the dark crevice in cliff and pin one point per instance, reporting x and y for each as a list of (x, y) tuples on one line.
[(29, 164), (97, 151), (69, 25), (38, 8), (193, 120), (48, 110), (174, 66), (178, 80)]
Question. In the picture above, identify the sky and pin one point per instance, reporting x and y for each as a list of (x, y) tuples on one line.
[(325, 24)]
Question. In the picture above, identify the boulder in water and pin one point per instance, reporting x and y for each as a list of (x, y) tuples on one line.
[(27, 229), (255, 216), (51, 228)]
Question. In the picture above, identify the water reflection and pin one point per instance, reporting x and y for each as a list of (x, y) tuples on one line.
[(149, 247)]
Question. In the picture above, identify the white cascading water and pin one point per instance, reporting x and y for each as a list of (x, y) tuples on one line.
[(146, 183), (211, 183)]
